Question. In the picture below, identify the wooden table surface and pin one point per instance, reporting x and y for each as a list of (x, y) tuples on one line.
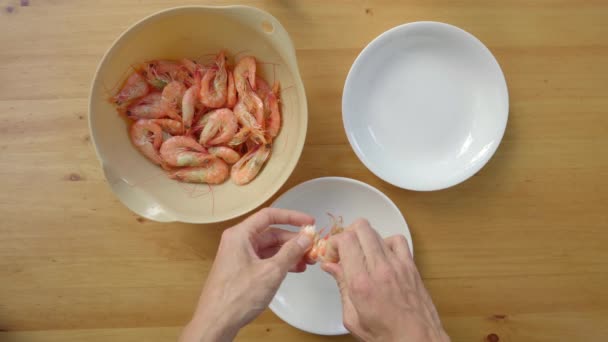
[(519, 250)]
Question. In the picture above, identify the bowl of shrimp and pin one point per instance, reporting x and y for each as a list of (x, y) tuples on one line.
[(198, 114)]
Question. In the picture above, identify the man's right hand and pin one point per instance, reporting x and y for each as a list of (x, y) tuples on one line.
[(383, 297)]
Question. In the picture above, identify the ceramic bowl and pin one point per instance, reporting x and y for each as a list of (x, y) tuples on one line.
[(195, 31), (425, 106)]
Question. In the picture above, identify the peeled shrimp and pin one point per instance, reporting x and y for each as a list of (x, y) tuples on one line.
[(220, 126), (214, 87), (184, 151), (171, 99), (248, 167), (148, 107), (134, 87), (147, 137), (214, 172), (229, 155)]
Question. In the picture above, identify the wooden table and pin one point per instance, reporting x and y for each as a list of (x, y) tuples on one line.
[(519, 250)]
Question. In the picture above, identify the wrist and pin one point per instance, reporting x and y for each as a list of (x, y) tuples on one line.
[(209, 328)]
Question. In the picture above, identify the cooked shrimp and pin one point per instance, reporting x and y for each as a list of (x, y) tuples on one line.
[(240, 137), (273, 118), (263, 88), (220, 127), (231, 97), (170, 126), (321, 249), (214, 172), (248, 121), (244, 74), (189, 102), (171, 99), (256, 106), (214, 96), (134, 87), (147, 137), (229, 155), (184, 151), (248, 167), (148, 107)]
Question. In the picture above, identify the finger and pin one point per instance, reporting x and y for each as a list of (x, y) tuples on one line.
[(371, 242), (336, 271), (269, 216), (349, 253), (398, 244), (298, 268), (292, 251), (272, 237), (271, 251)]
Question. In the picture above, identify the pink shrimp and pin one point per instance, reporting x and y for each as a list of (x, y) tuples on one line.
[(160, 73), (134, 87), (231, 97), (263, 88), (240, 137), (148, 107), (220, 127), (189, 102), (229, 155), (273, 118), (184, 151), (147, 137), (248, 121), (321, 249), (244, 74), (248, 167), (170, 126), (215, 96), (171, 99), (214, 172)]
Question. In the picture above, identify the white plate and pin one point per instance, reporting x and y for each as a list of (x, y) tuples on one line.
[(311, 300), (425, 106)]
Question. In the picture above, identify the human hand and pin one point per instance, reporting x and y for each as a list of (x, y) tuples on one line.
[(383, 297), (251, 262)]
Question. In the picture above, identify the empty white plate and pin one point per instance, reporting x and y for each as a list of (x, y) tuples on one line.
[(311, 300), (425, 106)]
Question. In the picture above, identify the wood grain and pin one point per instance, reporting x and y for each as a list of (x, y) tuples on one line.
[(518, 251)]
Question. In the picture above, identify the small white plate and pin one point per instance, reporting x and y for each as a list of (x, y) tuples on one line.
[(310, 301), (425, 106)]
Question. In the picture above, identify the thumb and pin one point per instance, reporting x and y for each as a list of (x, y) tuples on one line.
[(293, 251)]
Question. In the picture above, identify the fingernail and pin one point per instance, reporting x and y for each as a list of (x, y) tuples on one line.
[(304, 240)]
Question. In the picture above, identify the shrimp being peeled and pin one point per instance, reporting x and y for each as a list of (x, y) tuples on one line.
[(321, 249), (181, 151), (202, 123)]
